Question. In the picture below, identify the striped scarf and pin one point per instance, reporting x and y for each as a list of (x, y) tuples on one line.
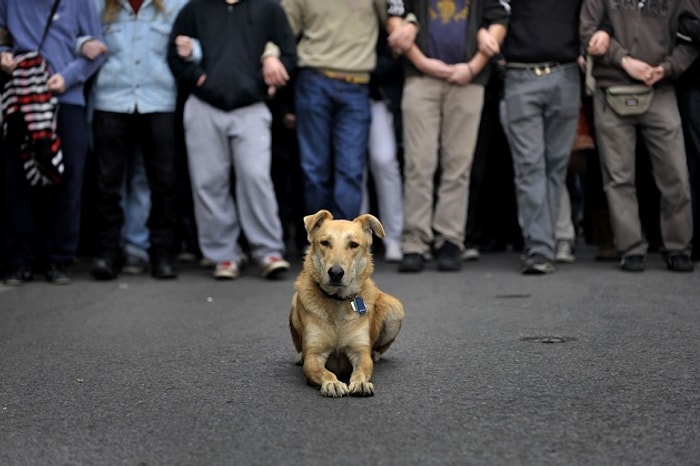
[(29, 120)]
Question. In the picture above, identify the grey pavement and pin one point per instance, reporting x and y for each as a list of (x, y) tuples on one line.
[(589, 365)]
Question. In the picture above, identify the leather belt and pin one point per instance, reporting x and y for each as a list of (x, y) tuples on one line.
[(540, 69)]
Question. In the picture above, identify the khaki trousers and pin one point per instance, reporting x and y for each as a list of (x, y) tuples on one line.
[(661, 133), (441, 122)]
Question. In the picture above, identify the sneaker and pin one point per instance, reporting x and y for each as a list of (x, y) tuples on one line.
[(392, 250), (57, 274), (449, 258), (679, 262), (103, 268), (273, 267), (470, 254), (537, 264), (564, 252), (226, 270), (19, 276), (134, 265), (411, 263), (633, 263)]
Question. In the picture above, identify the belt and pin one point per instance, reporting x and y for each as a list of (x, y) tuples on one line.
[(540, 69), (348, 78)]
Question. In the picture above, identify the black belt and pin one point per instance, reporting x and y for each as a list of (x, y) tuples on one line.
[(540, 69)]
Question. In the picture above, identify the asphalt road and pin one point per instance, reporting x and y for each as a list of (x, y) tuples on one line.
[(589, 365)]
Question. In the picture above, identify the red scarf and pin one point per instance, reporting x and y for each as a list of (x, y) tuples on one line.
[(136, 5)]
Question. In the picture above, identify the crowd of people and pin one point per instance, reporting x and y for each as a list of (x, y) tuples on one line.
[(207, 129)]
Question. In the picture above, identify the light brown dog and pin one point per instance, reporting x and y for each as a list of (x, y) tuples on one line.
[(340, 321)]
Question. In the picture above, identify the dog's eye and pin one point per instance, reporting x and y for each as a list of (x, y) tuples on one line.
[(325, 243), (353, 245)]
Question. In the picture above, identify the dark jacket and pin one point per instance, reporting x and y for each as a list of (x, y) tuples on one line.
[(232, 38), (483, 14), (647, 33)]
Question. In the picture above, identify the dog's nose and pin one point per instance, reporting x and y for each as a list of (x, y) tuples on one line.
[(336, 273)]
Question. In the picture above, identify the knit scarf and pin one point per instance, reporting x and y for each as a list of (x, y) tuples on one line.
[(29, 120)]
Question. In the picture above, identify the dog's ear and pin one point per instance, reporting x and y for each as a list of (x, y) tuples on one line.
[(371, 224), (312, 222)]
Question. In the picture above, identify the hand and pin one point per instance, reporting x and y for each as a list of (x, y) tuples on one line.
[(184, 46), (7, 62), (654, 75), (402, 38), (636, 69), (461, 75), (274, 72), (56, 84), (201, 79), (581, 61), (289, 120), (93, 48), (599, 43), (488, 45)]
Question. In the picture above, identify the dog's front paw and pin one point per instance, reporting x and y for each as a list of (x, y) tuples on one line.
[(334, 389), (299, 360), (361, 389)]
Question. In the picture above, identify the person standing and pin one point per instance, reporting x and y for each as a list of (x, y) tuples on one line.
[(42, 227), (541, 106), (337, 53), (446, 73), (643, 50), (216, 48), (133, 98)]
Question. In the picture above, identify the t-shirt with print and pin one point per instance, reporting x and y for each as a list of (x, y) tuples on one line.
[(447, 29)]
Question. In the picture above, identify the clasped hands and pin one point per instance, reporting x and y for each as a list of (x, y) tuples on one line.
[(460, 73), (635, 68)]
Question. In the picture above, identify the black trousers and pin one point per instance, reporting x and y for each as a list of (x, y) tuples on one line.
[(115, 135)]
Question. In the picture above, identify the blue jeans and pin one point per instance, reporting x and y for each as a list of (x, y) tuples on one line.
[(43, 224), (136, 204), (333, 120)]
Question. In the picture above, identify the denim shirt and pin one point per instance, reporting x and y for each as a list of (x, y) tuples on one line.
[(135, 76)]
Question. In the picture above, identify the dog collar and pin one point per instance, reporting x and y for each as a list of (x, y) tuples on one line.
[(357, 303)]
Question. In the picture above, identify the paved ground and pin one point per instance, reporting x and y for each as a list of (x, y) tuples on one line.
[(587, 366)]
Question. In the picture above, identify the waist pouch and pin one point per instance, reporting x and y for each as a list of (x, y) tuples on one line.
[(629, 100)]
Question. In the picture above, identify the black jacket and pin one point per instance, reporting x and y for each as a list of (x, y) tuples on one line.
[(232, 38)]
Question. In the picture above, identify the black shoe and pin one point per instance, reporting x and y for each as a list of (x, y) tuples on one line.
[(679, 263), (57, 274), (163, 268), (411, 263), (537, 264), (18, 276), (633, 263), (103, 268), (449, 258)]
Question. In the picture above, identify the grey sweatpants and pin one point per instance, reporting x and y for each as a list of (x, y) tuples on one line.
[(221, 145)]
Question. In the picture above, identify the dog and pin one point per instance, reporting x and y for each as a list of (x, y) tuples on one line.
[(341, 323)]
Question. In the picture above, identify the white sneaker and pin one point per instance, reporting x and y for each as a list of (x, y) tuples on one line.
[(273, 267), (470, 254), (392, 250), (226, 270), (564, 252)]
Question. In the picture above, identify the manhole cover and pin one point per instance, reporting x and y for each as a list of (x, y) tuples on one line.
[(549, 339)]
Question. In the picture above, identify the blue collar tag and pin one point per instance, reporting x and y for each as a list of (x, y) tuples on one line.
[(358, 305)]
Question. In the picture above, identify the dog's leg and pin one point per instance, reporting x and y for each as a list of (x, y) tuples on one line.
[(362, 368), (316, 373), (390, 329)]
